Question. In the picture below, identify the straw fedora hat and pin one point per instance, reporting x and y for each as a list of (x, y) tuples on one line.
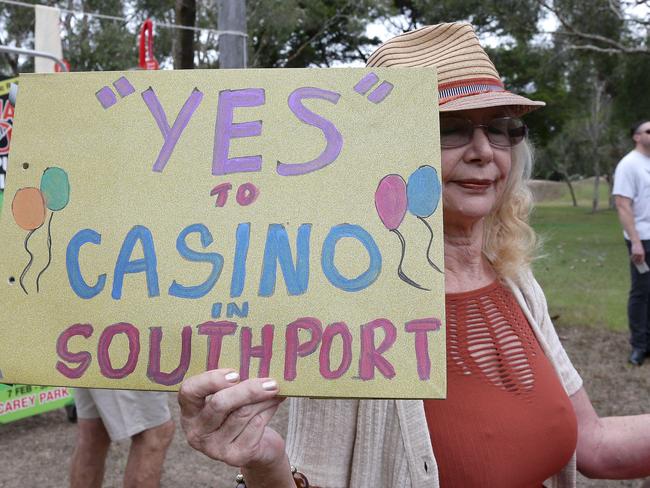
[(467, 79)]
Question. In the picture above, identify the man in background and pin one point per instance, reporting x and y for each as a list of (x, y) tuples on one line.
[(114, 415), (632, 194)]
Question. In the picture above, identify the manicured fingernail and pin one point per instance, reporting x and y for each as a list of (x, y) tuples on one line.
[(270, 385), (232, 377)]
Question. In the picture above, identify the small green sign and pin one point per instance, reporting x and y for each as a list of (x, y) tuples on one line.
[(21, 401)]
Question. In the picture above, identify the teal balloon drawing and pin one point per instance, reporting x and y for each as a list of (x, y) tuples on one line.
[(423, 191), (56, 188)]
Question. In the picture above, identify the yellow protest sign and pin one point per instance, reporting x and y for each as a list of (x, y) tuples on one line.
[(284, 223)]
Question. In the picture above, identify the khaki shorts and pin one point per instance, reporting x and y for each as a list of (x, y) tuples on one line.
[(123, 412)]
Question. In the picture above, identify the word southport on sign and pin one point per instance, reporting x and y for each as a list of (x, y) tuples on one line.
[(332, 345)]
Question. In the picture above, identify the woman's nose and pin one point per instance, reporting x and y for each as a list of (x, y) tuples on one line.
[(479, 150)]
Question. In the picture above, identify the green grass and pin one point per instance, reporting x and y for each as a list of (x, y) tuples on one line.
[(584, 269)]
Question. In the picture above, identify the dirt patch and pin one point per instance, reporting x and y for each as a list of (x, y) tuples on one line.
[(36, 451), (544, 190), (614, 386)]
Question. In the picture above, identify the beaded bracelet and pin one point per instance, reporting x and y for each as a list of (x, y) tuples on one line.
[(299, 478)]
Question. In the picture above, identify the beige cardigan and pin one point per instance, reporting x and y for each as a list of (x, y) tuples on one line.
[(385, 443)]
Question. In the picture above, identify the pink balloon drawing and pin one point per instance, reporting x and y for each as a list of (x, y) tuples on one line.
[(391, 204), (390, 201)]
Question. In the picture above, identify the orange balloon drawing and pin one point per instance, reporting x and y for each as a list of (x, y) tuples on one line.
[(28, 208)]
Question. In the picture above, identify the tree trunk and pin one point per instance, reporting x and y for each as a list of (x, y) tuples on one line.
[(596, 124), (565, 176), (594, 205), (573, 193), (184, 52), (609, 177)]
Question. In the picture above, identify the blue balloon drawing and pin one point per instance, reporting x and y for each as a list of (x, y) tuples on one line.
[(423, 191)]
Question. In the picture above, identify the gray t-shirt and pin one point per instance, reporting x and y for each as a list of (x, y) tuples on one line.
[(632, 180)]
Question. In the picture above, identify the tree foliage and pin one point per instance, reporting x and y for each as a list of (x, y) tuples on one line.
[(299, 33), (515, 18), (591, 69)]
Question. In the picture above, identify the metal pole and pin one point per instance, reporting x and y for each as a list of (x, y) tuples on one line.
[(32, 53), (232, 43)]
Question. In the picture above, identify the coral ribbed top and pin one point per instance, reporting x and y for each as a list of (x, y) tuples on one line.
[(507, 421)]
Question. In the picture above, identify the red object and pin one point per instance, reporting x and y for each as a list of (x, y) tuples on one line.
[(57, 66), (507, 421), (147, 61)]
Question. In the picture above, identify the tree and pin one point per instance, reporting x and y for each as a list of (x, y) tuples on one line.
[(93, 44), (88, 43), (515, 18), (19, 32), (595, 128), (603, 42), (596, 53), (593, 77), (300, 33), (185, 15)]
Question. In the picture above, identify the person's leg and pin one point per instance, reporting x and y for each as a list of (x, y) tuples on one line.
[(646, 247), (144, 417), (147, 455), (89, 456), (639, 304)]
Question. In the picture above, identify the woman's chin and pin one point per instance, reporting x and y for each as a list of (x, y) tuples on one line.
[(471, 210)]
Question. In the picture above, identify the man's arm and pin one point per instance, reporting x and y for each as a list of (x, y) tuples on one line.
[(626, 216)]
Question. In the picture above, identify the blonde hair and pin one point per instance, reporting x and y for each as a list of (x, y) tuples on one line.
[(509, 242)]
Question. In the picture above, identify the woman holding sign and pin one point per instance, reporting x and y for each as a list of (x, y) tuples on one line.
[(516, 413)]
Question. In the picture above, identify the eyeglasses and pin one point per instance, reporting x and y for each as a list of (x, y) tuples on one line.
[(502, 132)]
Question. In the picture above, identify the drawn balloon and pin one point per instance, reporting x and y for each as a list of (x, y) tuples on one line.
[(390, 201), (28, 209), (56, 188), (391, 204), (423, 191), (423, 194)]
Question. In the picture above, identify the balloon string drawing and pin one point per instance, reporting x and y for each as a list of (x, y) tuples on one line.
[(49, 251), (29, 263), (29, 208), (420, 196)]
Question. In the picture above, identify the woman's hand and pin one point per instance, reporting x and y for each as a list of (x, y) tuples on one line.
[(227, 420)]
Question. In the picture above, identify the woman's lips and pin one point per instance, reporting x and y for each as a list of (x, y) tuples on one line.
[(474, 184)]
